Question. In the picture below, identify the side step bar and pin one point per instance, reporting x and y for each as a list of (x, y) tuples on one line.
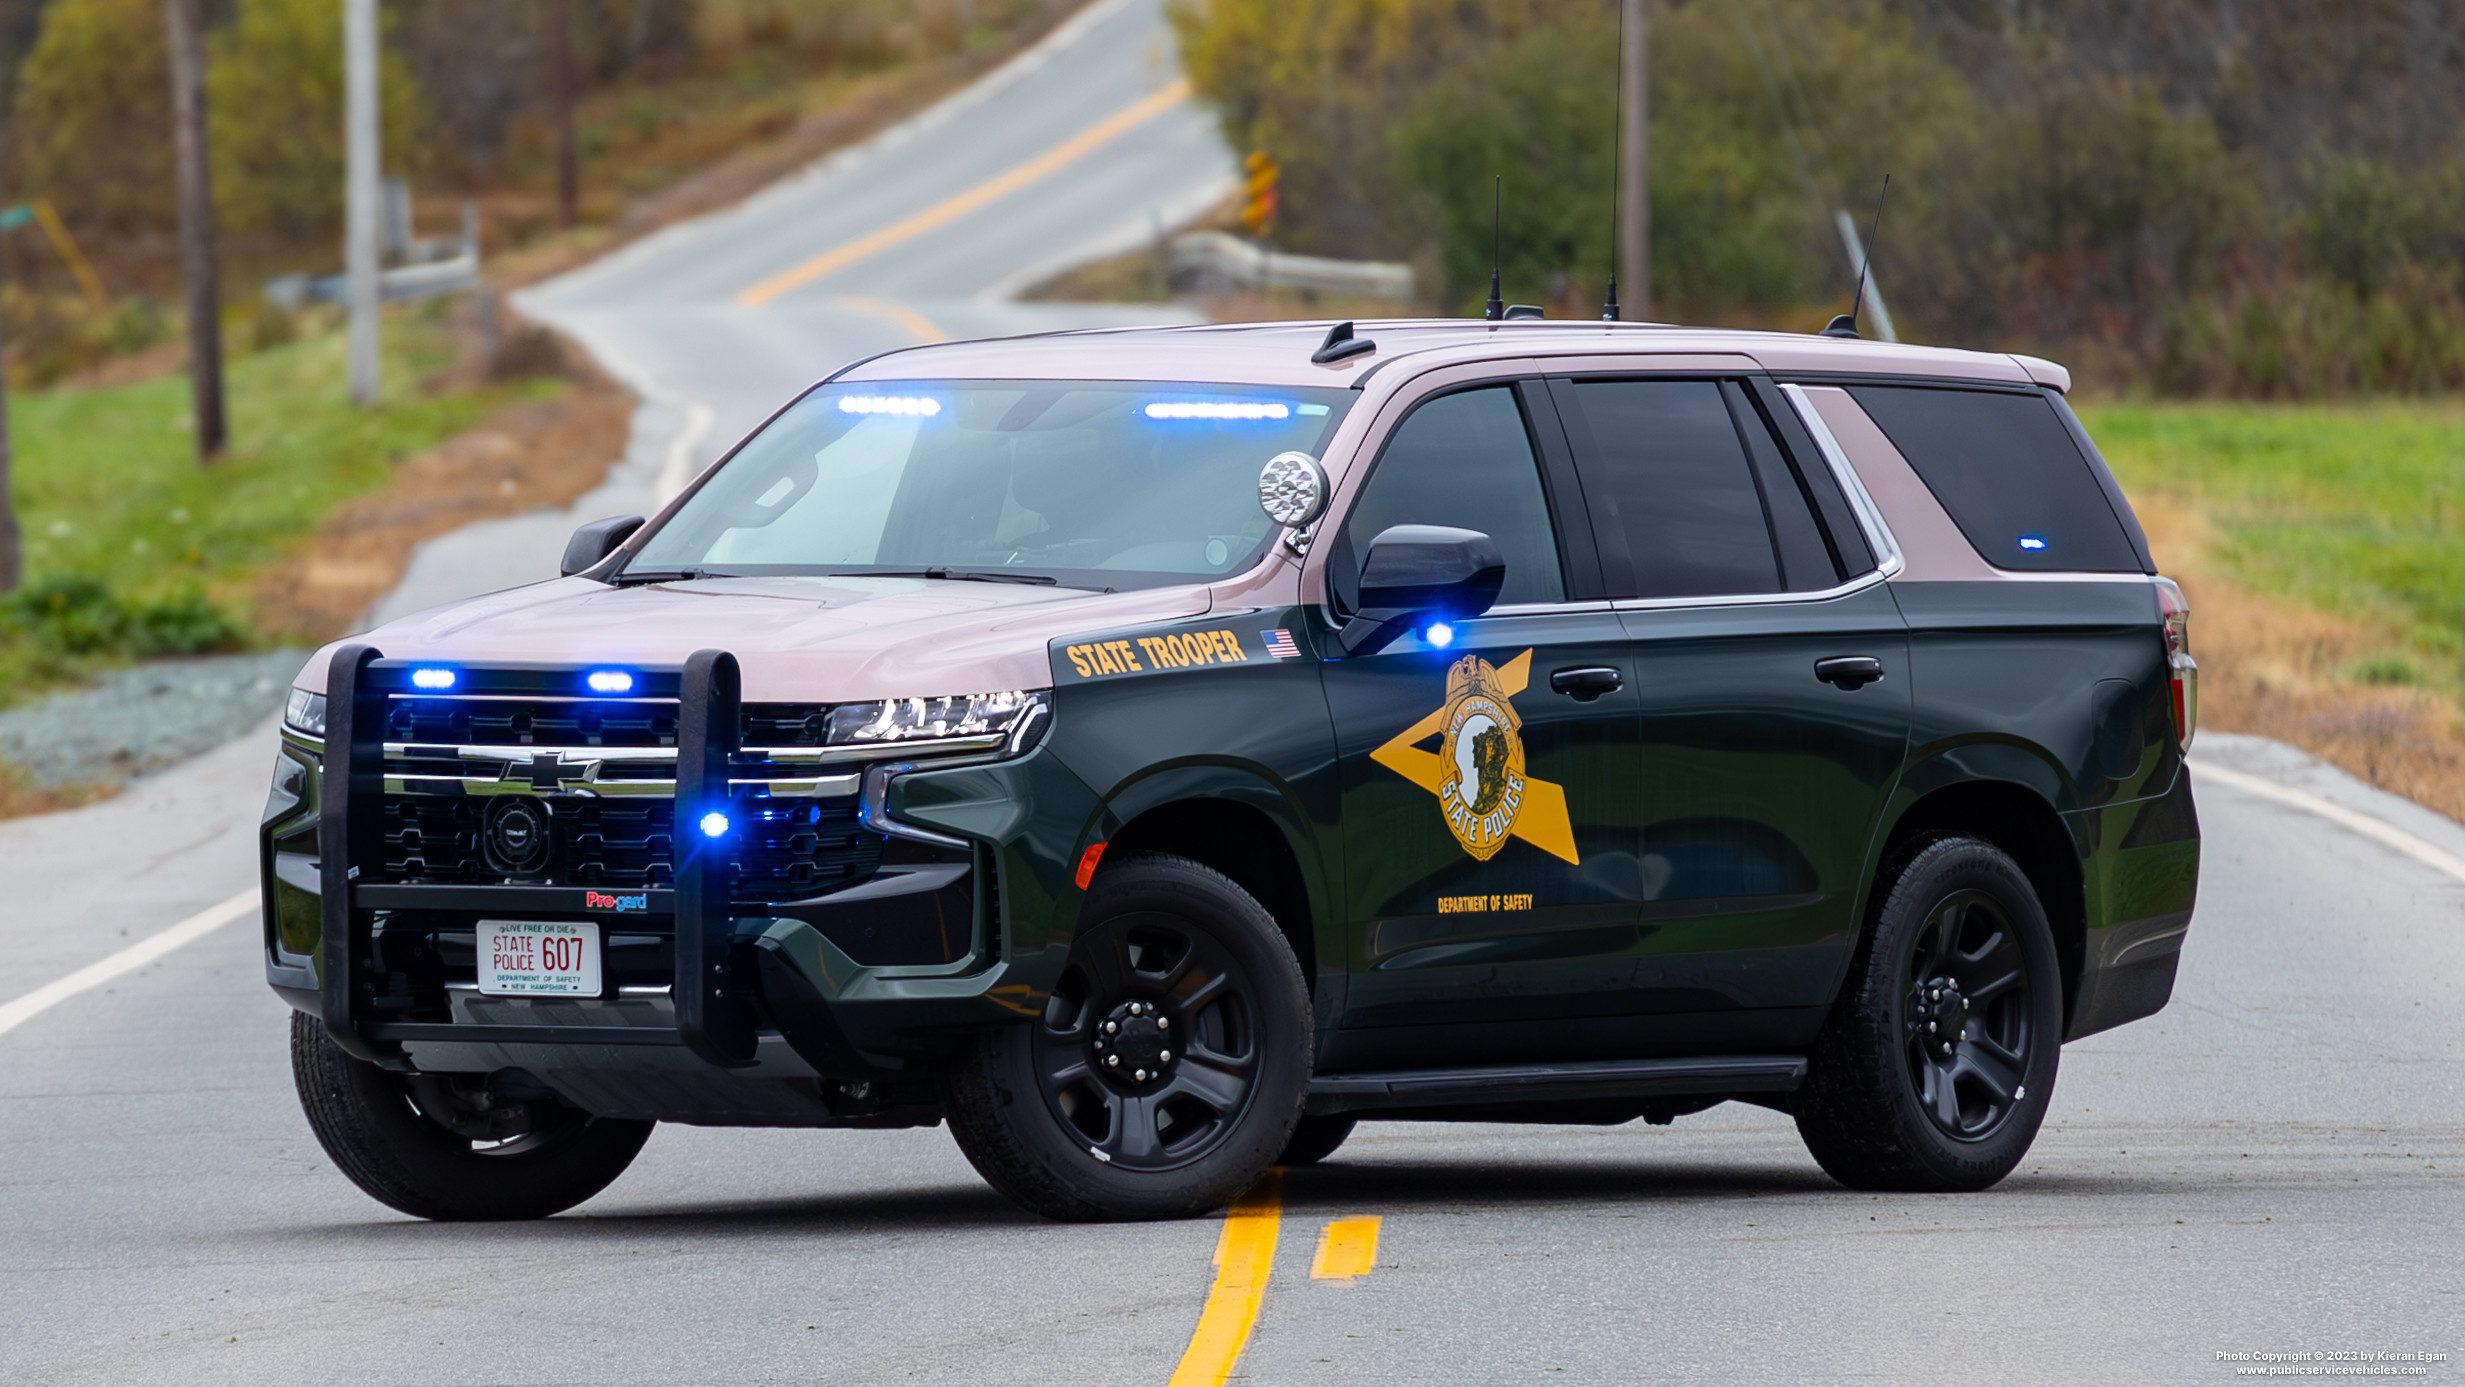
[(1505, 1085)]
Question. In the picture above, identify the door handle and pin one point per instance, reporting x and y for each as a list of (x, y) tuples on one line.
[(1587, 683), (1849, 672)]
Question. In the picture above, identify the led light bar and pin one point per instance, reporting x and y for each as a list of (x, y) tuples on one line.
[(432, 678), (911, 406), (609, 681), (1217, 409), (2032, 543)]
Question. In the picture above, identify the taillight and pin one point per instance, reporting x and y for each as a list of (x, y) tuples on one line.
[(2181, 669)]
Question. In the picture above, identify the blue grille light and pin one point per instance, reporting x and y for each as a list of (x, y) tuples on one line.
[(714, 824), (609, 681), (1439, 635), (2032, 543), (432, 678), (1217, 409)]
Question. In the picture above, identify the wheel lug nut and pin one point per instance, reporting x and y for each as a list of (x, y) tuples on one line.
[(1109, 1028), (1113, 1061), (1138, 1008), (1164, 1023), (1140, 1075), (1164, 1056), (1930, 1028)]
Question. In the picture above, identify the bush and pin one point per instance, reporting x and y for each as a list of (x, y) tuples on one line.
[(72, 615)]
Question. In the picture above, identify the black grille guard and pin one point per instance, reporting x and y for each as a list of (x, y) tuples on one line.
[(712, 993)]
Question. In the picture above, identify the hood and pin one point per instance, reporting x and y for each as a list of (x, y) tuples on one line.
[(797, 640)]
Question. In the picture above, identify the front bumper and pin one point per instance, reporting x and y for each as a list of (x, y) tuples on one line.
[(809, 1007)]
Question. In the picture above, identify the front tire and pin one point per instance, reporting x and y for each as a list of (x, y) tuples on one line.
[(1937, 1064), (1166, 1071), (1316, 1139), (509, 1160)]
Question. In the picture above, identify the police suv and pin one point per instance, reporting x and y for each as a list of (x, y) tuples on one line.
[(1154, 752)]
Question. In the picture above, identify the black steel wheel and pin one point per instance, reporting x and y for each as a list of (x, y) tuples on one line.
[(450, 1146), (1937, 1064), (1167, 1067), (1967, 1016)]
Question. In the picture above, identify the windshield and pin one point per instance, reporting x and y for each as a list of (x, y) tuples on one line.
[(1094, 484)]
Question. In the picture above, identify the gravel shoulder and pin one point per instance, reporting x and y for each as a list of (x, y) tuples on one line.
[(144, 718)]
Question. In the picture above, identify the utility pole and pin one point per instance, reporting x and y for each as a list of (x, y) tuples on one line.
[(360, 192), (1634, 187), (560, 73), (205, 309)]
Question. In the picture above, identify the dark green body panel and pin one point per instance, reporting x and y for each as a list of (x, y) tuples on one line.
[(1456, 957), (2061, 688), (1762, 791)]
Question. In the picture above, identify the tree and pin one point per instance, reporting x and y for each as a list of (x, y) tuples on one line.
[(274, 89), (93, 100), (185, 21)]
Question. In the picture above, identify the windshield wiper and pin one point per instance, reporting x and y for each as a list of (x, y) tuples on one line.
[(958, 575), (631, 577)]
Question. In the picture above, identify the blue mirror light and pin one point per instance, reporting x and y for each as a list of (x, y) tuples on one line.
[(714, 824), (2032, 543), (432, 678), (1439, 635), (609, 681)]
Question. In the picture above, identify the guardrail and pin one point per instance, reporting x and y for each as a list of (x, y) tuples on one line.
[(1212, 260)]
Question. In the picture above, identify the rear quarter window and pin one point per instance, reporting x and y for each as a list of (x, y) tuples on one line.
[(2006, 469)]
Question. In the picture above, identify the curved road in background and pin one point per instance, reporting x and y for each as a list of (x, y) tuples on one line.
[(2275, 1163)]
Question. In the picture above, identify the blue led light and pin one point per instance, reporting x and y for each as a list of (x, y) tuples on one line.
[(2032, 543), (609, 681), (909, 406), (714, 824), (1217, 409), (432, 678), (1439, 635)]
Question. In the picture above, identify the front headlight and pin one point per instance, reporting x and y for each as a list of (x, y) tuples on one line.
[(305, 712), (1018, 713)]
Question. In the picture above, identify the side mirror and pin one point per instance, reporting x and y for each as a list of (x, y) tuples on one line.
[(591, 545), (1417, 573)]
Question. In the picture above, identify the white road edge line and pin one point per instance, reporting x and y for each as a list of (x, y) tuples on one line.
[(135, 956), (2376, 830)]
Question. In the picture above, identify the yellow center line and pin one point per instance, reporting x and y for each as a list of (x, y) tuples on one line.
[(1347, 1248), (1000, 185), (898, 315), (1244, 1254)]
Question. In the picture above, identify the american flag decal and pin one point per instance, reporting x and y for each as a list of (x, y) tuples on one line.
[(1279, 644)]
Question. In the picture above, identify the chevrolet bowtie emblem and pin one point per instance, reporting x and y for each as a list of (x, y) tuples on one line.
[(550, 771)]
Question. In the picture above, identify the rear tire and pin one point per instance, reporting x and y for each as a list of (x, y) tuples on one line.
[(375, 1126), (1316, 1139), (1937, 1064), (1166, 1071)]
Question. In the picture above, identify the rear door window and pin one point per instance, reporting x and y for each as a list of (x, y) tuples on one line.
[(1674, 496), (2007, 471)]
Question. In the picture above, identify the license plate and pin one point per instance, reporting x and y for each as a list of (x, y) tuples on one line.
[(537, 958)]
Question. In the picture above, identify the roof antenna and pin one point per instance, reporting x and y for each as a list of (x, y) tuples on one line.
[(1495, 309), (1617, 152), (1845, 324)]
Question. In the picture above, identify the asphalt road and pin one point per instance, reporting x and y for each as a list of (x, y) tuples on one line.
[(2275, 1163)]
